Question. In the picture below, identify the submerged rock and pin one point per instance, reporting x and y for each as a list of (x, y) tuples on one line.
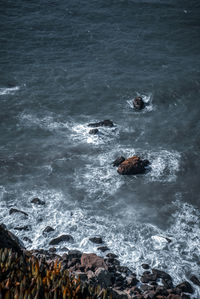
[(138, 103), (103, 248), (118, 161), (47, 230), (133, 165), (62, 238), (104, 123), (93, 131), (38, 201), (13, 211)]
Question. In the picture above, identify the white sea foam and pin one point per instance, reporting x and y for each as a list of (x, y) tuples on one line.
[(148, 100), (134, 242), (8, 90)]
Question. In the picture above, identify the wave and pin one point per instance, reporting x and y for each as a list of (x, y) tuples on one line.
[(8, 90)]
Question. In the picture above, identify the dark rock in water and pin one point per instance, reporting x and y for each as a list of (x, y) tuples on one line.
[(111, 255), (26, 228), (147, 277), (38, 201), (145, 266), (118, 161), (27, 239), (91, 261), (97, 240), (146, 163), (133, 165), (9, 240), (47, 230), (195, 280), (62, 238), (161, 274), (103, 248), (13, 211), (104, 123), (185, 287), (93, 131), (138, 103)]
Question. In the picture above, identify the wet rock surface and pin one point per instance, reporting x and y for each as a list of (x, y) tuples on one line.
[(138, 103), (94, 131), (118, 161), (132, 165), (96, 240), (104, 123), (37, 201), (62, 238), (9, 240), (14, 211)]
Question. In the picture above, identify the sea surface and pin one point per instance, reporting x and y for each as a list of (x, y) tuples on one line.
[(64, 64)]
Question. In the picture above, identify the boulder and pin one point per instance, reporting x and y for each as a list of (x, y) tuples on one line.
[(145, 266), (104, 278), (138, 103), (94, 131), (9, 240), (104, 123), (103, 248), (38, 201), (185, 287), (97, 240), (74, 254), (62, 238), (13, 211), (133, 165), (90, 261), (118, 161)]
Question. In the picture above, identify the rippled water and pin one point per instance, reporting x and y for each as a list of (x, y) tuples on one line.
[(66, 64)]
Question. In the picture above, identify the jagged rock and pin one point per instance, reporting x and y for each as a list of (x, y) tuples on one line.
[(38, 201), (104, 123), (118, 161), (96, 240), (93, 131), (103, 277), (9, 240), (133, 165), (185, 287), (47, 230), (103, 248), (62, 238), (92, 262), (195, 280), (13, 211), (138, 103), (26, 228)]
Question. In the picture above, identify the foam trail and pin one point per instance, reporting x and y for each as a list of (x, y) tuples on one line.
[(10, 90)]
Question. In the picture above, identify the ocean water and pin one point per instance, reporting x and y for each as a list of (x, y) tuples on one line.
[(65, 64)]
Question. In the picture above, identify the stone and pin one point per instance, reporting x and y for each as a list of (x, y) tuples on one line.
[(103, 277), (161, 274), (62, 238), (94, 131), (38, 201), (97, 240), (74, 254), (9, 240), (47, 230), (185, 287), (81, 275), (145, 266), (103, 248), (131, 166), (90, 274), (104, 123), (118, 161), (52, 249), (138, 103), (131, 281), (92, 262), (111, 255), (195, 280), (13, 211), (26, 228)]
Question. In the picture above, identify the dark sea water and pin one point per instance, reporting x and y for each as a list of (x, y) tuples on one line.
[(64, 64)]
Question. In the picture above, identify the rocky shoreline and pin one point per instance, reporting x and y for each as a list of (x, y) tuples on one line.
[(105, 276)]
